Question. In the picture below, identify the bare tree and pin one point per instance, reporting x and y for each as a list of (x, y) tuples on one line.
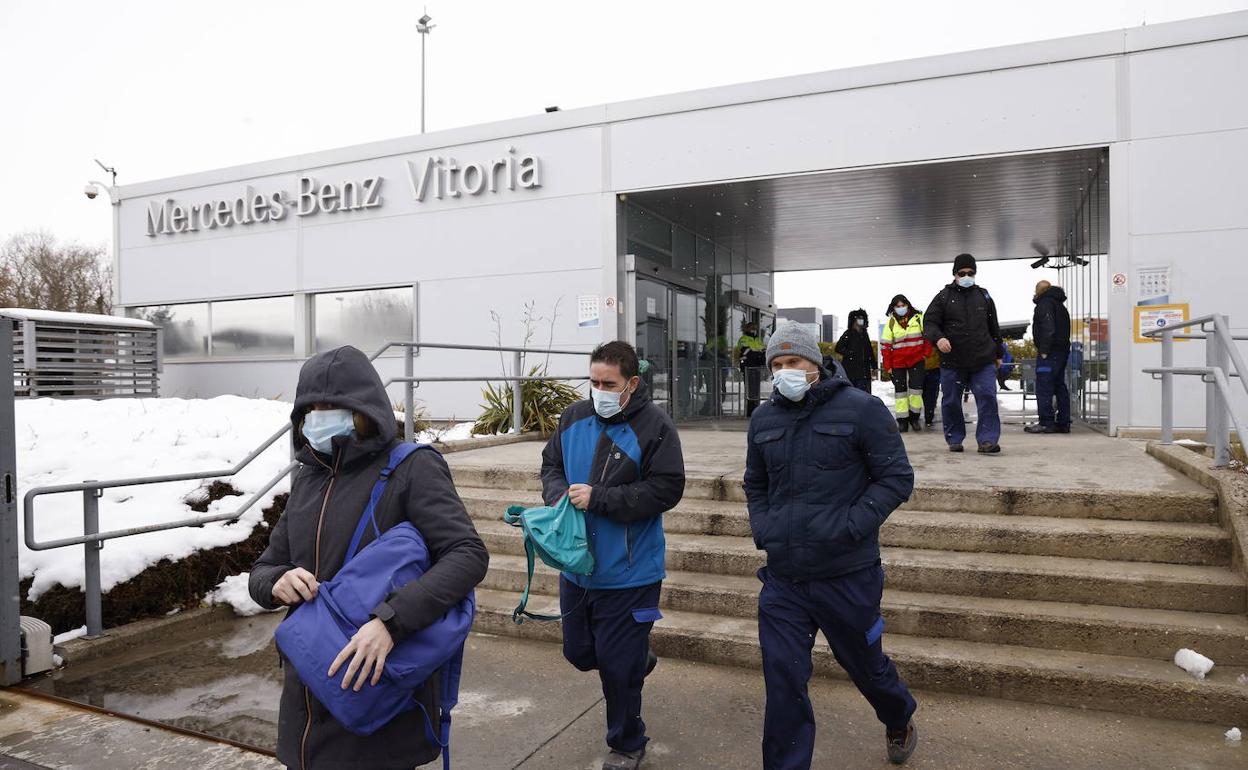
[(38, 272)]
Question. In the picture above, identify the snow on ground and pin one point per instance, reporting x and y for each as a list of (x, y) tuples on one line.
[(68, 441), (1193, 662), (78, 632), (233, 592), (457, 432), (1234, 736)]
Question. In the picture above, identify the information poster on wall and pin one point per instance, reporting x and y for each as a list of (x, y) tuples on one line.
[(588, 313), (1152, 317), (1153, 285)]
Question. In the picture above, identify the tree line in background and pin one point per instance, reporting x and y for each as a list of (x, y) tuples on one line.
[(40, 273)]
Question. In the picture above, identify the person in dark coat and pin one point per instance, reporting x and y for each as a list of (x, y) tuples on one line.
[(617, 457), (856, 352), (749, 353), (344, 428), (825, 466), (962, 323), (1050, 329)]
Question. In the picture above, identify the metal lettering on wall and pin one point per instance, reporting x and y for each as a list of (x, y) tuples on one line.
[(433, 177)]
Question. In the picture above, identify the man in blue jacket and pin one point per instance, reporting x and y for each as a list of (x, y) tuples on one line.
[(617, 456), (825, 466)]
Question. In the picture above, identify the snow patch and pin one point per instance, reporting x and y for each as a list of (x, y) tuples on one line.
[(1234, 736), (67, 441), (233, 592), (1193, 662), (77, 633), (57, 316)]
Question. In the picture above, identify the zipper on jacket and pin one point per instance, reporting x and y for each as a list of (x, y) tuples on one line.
[(628, 542), (316, 573)]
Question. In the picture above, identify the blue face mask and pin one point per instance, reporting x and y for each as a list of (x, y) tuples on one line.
[(966, 281), (792, 383), (606, 402), (321, 425), (901, 310)]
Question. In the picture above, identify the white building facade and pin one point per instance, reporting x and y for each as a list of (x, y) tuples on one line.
[(661, 221)]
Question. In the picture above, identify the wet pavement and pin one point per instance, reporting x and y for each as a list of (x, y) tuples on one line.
[(524, 708)]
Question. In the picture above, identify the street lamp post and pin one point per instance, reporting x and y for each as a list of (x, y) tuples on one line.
[(114, 197), (423, 27)]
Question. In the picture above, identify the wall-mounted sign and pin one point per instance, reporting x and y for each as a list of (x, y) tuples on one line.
[(169, 217), (1152, 285), (588, 312), (1118, 283), (433, 177), (1152, 317)]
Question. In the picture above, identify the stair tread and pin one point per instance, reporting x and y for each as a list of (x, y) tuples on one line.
[(909, 517), (1235, 625), (953, 652), (1105, 569)]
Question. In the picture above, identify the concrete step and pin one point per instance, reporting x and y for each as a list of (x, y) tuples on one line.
[(1143, 541), (1050, 625), (1004, 576), (1123, 684), (1184, 506)]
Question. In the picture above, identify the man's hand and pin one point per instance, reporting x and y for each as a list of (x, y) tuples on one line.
[(367, 652), (295, 586), (1044, 355), (943, 345), (579, 495)]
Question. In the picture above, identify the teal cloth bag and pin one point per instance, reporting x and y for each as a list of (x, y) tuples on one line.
[(557, 535)]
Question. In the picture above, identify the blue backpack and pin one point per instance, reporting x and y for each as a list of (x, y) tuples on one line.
[(557, 535), (313, 635)]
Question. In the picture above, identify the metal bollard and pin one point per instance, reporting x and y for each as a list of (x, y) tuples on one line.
[(91, 588), (517, 394)]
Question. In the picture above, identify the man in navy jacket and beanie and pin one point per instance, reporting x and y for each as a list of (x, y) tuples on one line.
[(618, 458), (825, 466)]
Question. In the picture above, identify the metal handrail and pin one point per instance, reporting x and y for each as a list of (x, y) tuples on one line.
[(1221, 354), (93, 540)]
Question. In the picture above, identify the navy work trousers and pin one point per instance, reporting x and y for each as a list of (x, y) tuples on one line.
[(1050, 383), (847, 610), (609, 630), (983, 384), (862, 383), (931, 394)]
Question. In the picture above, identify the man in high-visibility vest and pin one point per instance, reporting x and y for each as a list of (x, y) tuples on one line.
[(750, 352), (905, 349)]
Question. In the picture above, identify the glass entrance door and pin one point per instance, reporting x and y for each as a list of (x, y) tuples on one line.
[(654, 339), (671, 338)]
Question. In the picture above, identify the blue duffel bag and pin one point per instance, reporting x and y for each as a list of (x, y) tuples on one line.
[(313, 635)]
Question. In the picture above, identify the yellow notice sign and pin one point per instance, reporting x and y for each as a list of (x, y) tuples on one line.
[(1152, 317)]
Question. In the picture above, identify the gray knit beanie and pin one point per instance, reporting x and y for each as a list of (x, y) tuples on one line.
[(790, 339)]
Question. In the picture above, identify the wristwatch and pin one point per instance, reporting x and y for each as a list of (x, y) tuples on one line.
[(385, 613)]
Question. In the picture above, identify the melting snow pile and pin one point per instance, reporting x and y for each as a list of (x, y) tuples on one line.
[(1193, 662), (1233, 735), (65, 442), (233, 592)]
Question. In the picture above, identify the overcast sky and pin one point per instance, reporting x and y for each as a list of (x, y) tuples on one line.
[(165, 88)]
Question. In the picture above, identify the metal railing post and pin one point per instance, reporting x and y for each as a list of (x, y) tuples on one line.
[(1221, 360), (10, 597), (91, 586), (409, 399), (517, 394), (1167, 389)]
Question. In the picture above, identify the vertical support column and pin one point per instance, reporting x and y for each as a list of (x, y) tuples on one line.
[(91, 585), (1221, 358), (517, 394), (10, 604), (1167, 389), (409, 397)]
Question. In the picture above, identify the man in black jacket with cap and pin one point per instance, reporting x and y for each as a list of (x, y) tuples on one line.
[(962, 323), (1050, 328)]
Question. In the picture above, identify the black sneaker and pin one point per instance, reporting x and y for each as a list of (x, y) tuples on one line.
[(1038, 428), (900, 745), (955, 448), (630, 760), (989, 448), (1061, 429), (652, 660), (903, 425), (914, 422)]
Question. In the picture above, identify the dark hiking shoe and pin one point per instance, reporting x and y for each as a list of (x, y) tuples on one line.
[(1061, 429), (928, 423), (989, 448), (652, 660), (628, 760), (955, 448), (901, 744), (1038, 428), (903, 425), (914, 422)]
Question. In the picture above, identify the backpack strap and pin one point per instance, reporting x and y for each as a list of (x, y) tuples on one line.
[(398, 454)]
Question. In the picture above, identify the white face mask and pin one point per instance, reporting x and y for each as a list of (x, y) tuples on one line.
[(792, 383), (606, 402), (860, 323), (966, 281), (901, 310), (321, 425)]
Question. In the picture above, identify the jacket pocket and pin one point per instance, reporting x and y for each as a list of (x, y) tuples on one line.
[(832, 444), (647, 615), (770, 444)]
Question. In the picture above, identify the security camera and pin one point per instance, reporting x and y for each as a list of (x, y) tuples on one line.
[(424, 19), (91, 191)]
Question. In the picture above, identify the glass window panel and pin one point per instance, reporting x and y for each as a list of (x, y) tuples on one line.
[(254, 327), (683, 251), (185, 328), (644, 226), (366, 319)]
